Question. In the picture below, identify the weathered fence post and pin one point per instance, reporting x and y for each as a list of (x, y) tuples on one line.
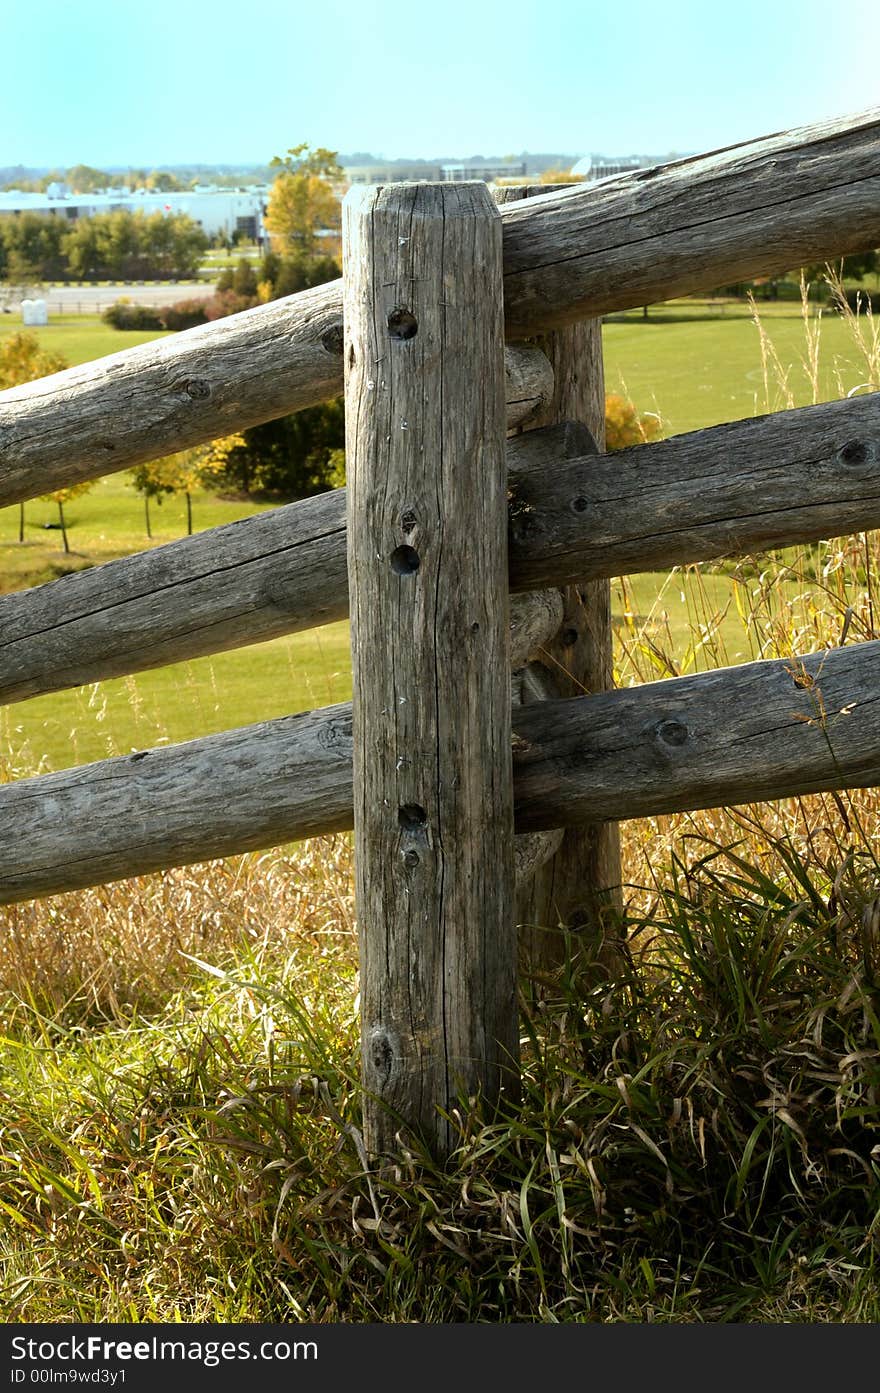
[(580, 886), (427, 561)]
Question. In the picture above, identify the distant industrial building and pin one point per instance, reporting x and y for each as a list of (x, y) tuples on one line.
[(222, 212), (467, 169), (419, 171), (593, 167)]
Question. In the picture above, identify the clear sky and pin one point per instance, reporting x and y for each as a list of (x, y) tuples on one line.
[(158, 82)]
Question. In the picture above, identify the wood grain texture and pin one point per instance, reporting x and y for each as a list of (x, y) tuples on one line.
[(793, 476), (753, 209), (796, 476), (579, 888), (738, 735), (427, 567), (730, 215), (173, 393)]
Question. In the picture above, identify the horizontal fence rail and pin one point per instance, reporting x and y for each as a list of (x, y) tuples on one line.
[(762, 731), (167, 395), (753, 209), (796, 476)]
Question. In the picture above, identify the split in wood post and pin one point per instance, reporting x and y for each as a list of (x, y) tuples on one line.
[(579, 888), (427, 565)]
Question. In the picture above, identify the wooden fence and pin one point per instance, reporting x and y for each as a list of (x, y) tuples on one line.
[(445, 514)]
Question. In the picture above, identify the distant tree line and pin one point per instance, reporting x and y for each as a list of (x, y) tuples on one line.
[(120, 245), (84, 178)]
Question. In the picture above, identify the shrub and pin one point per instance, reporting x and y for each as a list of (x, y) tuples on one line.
[(124, 315), (226, 302), (861, 301), (185, 314), (624, 426)]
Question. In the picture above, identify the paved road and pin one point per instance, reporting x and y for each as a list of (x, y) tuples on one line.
[(91, 299)]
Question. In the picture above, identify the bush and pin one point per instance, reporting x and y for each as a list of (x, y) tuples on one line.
[(860, 301), (624, 426), (185, 314), (124, 315), (226, 302)]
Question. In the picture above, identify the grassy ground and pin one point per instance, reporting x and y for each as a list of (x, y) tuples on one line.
[(698, 1140), (697, 372), (80, 337)]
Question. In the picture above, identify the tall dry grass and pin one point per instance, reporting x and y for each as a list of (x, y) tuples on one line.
[(778, 605)]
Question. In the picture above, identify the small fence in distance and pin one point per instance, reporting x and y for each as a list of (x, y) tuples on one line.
[(442, 515)]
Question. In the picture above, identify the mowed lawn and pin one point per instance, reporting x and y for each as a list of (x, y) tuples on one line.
[(693, 371)]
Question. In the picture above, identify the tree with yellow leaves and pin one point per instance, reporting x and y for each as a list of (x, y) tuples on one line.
[(183, 473), (22, 359), (301, 199)]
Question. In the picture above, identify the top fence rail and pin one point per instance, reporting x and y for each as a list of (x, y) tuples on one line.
[(751, 209)]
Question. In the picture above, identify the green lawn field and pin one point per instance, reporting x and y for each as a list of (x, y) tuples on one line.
[(694, 371)]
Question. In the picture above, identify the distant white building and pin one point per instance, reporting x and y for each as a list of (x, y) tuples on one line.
[(217, 211), (592, 167), (461, 170)]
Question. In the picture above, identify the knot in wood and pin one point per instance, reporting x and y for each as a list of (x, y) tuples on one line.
[(333, 340), (672, 732), (197, 388), (383, 1054), (854, 452)]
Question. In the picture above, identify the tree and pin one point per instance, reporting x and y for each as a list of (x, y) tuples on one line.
[(183, 473), (292, 457), (160, 181), (301, 200), (66, 495), (33, 246), (83, 178), (23, 360), (854, 267)]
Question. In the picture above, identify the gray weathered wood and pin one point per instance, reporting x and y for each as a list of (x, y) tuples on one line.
[(757, 208), (750, 210), (796, 476), (532, 850), (173, 393), (738, 735), (579, 888), (427, 567)]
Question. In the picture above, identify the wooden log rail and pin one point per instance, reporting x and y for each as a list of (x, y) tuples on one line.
[(752, 209), (796, 476), (737, 735)]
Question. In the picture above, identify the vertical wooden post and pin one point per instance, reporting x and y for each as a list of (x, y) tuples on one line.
[(427, 563), (580, 887)]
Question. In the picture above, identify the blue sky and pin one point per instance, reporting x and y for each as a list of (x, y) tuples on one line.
[(162, 82)]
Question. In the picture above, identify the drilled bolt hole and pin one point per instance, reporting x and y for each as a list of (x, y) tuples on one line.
[(402, 324), (404, 561)]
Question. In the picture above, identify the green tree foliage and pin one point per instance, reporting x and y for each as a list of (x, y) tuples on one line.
[(32, 247), (850, 268), (242, 279), (298, 455), (109, 246), (83, 178), (293, 457), (134, 246)]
